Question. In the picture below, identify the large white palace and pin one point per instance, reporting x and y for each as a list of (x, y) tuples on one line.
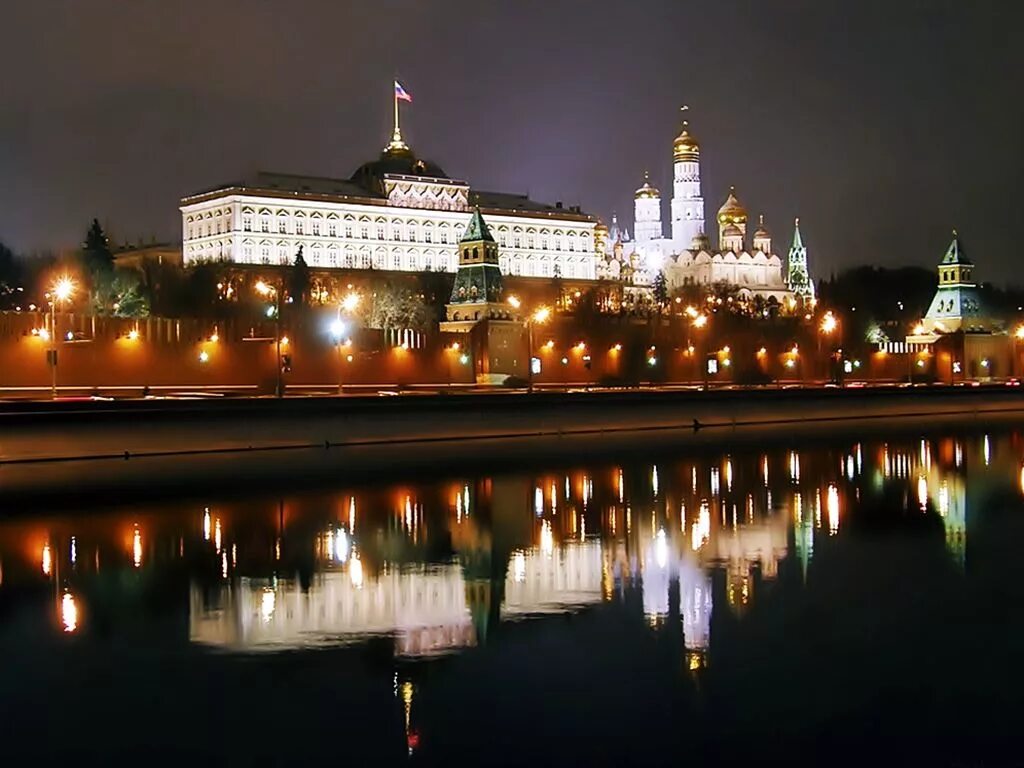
[(398, 212), (687, 255)]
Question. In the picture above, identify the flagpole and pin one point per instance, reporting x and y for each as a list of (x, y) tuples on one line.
[(394, 95)]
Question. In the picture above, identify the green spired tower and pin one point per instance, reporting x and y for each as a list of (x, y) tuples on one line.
[(490, 327), (956, 305), (797, 277)]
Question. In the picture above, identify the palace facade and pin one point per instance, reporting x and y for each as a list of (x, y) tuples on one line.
[(398, 212)]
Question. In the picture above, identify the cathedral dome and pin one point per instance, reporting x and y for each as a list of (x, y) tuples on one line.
[(685, 148), (761, 232), (732, 211), (647, 192), (700, 242)]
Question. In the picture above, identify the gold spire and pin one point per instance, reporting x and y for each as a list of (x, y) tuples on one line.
[(685, 148)]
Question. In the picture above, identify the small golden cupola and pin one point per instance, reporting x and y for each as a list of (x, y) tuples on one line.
[(685, 148), (647, 192)]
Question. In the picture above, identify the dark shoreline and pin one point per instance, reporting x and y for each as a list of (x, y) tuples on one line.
[(71, 453)]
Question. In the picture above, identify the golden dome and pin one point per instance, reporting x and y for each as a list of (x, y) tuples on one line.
[(732, 211), (685, 148), (647, 192), (761, 232)]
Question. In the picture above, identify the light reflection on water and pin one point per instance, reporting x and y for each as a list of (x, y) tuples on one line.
[(440, 569)]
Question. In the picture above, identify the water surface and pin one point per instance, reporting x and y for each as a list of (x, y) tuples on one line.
[(820, 603)]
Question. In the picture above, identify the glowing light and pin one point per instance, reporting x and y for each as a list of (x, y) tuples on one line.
[(617, 348), (919, 329), (1019, 333), (986, 449), (214, 337), (350, 302), (216, 535), (794, 466), (133, 335), (514, 302), (828, 323), (224, 565), (74, 551), (206, 524), (263, 289), (341, 546), (701, 528), (355, 571), (547, 538), (204, 356), (654, 479), (338, 329), (47, 562), (455, 346), (464, 359), (832, 507), (42, 333), (137, 548), (700, 321), (68, 612), (284, 341), (538, 501), (63, 289), (268, 602), (581, 346), (541, 315), (519, 567), (661, 549), (762, 352)]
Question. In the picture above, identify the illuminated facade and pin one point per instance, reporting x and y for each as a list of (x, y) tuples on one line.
[(396, 213), (686, 254)]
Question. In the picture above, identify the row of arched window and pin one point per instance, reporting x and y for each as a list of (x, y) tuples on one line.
[(350, 227), (321, 255)]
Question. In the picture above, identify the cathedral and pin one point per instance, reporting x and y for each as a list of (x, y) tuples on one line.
[(687, 255)]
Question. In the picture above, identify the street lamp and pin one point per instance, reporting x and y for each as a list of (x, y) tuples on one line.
[(829, 323), (275, 291), (339, 328), (61, 291), (539, 317), (698, 320)]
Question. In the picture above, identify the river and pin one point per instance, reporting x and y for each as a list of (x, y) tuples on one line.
[(813, 602)]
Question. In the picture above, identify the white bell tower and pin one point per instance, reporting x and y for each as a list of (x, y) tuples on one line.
[(687, 203)]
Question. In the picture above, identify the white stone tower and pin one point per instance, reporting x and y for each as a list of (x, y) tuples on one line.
[(687, 203), (647, 212)]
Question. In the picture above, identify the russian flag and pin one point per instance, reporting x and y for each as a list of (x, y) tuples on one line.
[(400, 93)]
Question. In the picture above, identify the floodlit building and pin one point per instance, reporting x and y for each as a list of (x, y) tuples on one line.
[(398, 212), (686, 253)]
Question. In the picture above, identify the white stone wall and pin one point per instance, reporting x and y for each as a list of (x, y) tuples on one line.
[(687, 204), (250, 229)]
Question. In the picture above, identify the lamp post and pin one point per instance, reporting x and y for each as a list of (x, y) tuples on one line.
[(700, 321), (338, 330), (829, 323), (62, 290), (540, 317), (265, 289)]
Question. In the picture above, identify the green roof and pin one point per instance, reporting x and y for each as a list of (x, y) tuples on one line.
[(477, 230), (955, 253)]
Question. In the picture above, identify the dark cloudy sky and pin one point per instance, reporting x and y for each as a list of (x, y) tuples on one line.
[(881, 123)]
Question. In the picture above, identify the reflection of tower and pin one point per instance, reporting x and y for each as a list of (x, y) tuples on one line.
[(656, 575), (647, 212), (952, 504), (797, 276), (687, 203), (695, 604)]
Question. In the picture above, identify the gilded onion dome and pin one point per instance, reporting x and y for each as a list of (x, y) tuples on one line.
[(761, 231), (685, 148), (647, 192), (732, 211)]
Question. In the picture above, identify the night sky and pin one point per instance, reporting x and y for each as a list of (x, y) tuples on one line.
[(883, 125)]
